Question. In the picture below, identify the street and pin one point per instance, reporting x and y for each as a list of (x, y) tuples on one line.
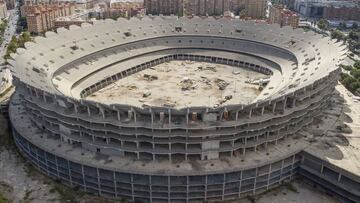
[(9, 31)]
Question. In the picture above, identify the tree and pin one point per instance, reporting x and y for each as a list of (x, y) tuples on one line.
[(337, 34), (323, 24), (16, 43), (342, 26), (353, 35), (356, 73), (243, 13), (357, 64), (355, 26), (346, 67)]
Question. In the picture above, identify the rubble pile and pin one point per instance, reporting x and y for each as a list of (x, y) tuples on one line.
[(209, 68), (222, 84), (187, 84), (150, 77)]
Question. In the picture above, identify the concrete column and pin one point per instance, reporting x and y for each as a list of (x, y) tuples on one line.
[(115, 185), (237, 115), (294, 102), (132, 186), (169, 111), (187, 116), (69, 173), (284, 106), (83, 176), (339, 177), (57, 167), (206, 186), (168, 188), (250, 112), (322, 168), (223, 187), (76, 108), (88, 110), (102, 111), (256, 173), (241, 174), (274, 107), (44, 97), (152, 118), (150, 190), (262, 110), (118, 115)]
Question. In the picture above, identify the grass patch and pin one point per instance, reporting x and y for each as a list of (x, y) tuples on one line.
[(3, 199), (66, 194)]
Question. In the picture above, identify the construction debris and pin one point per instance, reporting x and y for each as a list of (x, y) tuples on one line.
[(225, 99), (187, 84), (205, 80), (210, 68), (146, 94), (150, 77), (222, 84)]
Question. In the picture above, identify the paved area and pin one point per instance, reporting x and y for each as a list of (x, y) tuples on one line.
[(184, 83)]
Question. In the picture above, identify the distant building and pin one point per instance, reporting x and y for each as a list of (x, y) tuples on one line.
[(125, 8), (280, 15), (70, 20), (206, 7), (3, 9), (165, 7), (41, 17), (342, 10), (252, 8), (342, 13), (10, 4)]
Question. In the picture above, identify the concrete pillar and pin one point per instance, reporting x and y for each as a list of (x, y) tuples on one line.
[(162, 117), (250, 112), (322, 168), (237, 115), (83, 177), (274, 107), (69, 173), (206, 186), (339, 177), (223, 187), (88, 110), (256, 173), (118, 115), (152, 118), (294, 102), (262, 110), (169, 112), (44, 97), (132, 187), (76, 108), (187, 116), (268, 180), (102, 111), (241, 174), (115, 185)]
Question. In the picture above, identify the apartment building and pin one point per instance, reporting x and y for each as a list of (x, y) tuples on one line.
[(3, 9), (41, 17), (165, 7), (280, 15)]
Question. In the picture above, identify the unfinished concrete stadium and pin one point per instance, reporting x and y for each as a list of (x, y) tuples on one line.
[(168, 109)]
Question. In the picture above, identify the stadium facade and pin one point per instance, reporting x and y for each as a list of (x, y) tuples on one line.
[(162, 153)]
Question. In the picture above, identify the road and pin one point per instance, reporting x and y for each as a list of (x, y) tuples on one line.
[(9, 31)]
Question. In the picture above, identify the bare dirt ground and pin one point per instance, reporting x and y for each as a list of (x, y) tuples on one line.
[(184, 83)]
